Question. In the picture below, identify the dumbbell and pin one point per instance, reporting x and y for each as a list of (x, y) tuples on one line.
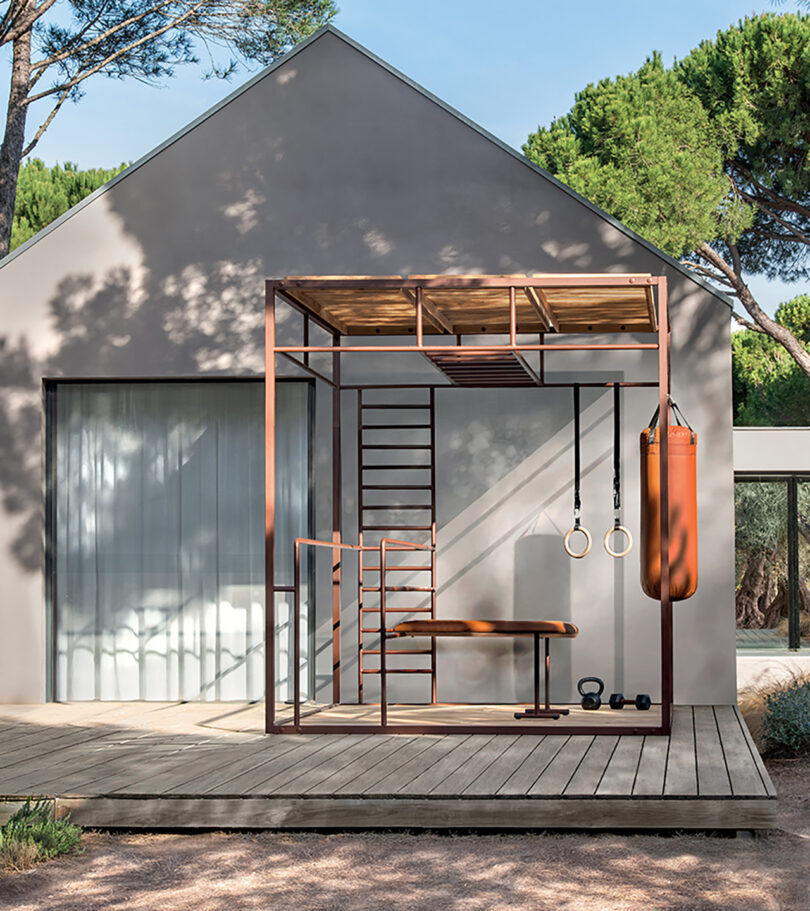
[(642, 702), (591, 699)]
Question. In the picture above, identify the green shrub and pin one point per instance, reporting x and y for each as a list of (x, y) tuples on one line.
[(786, 720), (32, 833)]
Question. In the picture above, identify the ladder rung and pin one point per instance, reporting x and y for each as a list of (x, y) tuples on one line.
[(399, 651), (399, 569), (396, 588), (396, 610), (425, 406), (395, 506), (399, 670), (395, 426), (397, 467), (395, 527), (396, 446), (396, 487)]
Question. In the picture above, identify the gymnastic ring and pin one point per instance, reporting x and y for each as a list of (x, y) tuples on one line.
[(626, 533), (587, 542)]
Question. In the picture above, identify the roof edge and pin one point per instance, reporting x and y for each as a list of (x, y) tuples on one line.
[(329, 28)]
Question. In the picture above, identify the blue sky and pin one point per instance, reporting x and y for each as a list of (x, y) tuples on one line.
[(507, 66)]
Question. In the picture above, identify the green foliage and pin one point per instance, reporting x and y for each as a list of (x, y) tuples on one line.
[(770, 390), (753, 81), (641, 146), (33, 824), (43, 194), (786, 721), (713, 150)]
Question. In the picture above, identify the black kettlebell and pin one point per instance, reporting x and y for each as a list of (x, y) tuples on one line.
[(593, 698)]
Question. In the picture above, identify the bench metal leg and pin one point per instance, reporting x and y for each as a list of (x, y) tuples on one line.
[(546, 711)]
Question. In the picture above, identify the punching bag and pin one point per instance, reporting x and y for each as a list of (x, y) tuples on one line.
[(682, 492)]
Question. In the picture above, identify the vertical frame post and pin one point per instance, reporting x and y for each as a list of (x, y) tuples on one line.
[(512, 317), (383, 642), (663, 465), (296, 657), (337, 518), (418, 317), (269, 506)]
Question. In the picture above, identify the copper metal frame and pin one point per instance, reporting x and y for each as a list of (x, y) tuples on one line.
[(338, 547)]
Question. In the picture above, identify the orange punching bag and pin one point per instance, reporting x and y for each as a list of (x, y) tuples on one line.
[(682, 492)]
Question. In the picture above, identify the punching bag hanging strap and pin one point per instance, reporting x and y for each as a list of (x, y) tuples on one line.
[(577, 526), (680, 421), (618, 528)]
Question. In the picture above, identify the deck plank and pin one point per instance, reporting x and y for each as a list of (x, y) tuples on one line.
[(713, 780), (652, 767), (620, 774), (377, 753), (400, 776), (435, 775), (533, 766), (248, 775), (458, 781), (585, 780), (754, 753), (493, 777), (742, 770), (561, 769), (305, 775), (681, 776)]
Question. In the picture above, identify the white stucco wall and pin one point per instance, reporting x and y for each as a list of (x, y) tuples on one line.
[(330, 164), (772, 449)]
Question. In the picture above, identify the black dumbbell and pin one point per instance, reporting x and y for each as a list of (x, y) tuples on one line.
[(593, 698), (642, 702)]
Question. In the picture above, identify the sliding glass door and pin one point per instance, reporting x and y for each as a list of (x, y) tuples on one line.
[(157, 517)]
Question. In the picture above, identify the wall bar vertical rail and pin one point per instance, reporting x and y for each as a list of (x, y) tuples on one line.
[(269, 505), (337, 518)]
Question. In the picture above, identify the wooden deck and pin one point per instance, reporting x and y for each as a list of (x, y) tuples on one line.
[(153, 765)]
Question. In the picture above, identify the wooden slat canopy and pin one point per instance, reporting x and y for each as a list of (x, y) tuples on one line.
[(475, 304)]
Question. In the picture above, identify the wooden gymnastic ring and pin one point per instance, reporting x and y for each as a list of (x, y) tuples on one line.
[(626, 533), (587, 542)]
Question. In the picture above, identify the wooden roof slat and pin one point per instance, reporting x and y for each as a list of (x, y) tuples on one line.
[(474, 304)]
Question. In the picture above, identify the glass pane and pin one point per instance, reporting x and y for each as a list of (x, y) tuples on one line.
[(804, 562), (159, 551), (761, 564)]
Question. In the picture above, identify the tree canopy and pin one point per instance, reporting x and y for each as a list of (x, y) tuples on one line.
[(43, 194), (56, 47), (707, 159), (769, 388)]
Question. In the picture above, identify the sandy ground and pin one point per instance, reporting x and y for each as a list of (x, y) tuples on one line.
[(393, 871)]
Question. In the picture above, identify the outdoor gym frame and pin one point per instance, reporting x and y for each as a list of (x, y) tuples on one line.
[(488, 365)]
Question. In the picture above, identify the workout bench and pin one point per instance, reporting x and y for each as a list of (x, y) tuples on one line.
[(538, 629)]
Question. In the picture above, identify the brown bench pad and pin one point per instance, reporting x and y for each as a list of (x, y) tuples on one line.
[(551, 629)]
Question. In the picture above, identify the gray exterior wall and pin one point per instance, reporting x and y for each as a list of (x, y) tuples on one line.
[(772, 449), (332, 164)]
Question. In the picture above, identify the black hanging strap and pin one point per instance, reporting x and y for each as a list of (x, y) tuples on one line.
[(680, 421), (577, 500), (617, 454)]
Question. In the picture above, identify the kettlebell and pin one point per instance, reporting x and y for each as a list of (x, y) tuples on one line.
[(593, 698)]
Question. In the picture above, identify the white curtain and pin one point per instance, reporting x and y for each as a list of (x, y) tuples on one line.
[(159, 536)]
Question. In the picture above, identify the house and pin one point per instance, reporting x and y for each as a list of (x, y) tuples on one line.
[(132, 531)]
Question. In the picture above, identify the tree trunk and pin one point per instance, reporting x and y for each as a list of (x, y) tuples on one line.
[(755, 593), (14, 136)]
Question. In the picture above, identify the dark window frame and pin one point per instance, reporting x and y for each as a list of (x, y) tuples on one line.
[(792, 480)]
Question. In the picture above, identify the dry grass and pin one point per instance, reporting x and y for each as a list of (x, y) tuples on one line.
[(752, 704), (407, 872), (17, 856)]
